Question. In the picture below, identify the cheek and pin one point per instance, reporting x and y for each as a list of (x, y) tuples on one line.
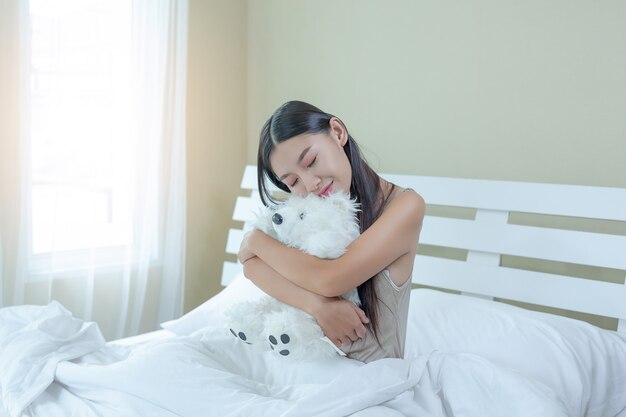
[(298, 191), (346, 174), (342, 162)]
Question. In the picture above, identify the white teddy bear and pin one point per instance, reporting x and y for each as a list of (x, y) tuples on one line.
[(322, 227)]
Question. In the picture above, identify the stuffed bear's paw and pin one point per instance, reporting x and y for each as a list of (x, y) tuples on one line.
[(248, 336), (245, 321), (282, 334), (241, 336), (294, 335), (281, 344)]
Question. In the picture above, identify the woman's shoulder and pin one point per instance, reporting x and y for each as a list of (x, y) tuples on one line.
[(406, 199), (405, 207)]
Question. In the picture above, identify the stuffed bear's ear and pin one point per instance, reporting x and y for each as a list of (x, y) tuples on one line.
[(264, 220)]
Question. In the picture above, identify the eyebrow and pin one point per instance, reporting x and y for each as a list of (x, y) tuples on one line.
[(300, 158)]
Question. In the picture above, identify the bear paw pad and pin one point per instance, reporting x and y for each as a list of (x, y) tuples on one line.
[(241, 336), (280, 344)]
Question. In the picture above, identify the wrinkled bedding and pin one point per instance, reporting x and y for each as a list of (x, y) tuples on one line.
[(52, 364)]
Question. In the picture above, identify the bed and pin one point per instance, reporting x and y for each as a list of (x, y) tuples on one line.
[(470, 351)]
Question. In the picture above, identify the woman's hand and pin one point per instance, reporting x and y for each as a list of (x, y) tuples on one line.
[(245, 252), (341, 321)]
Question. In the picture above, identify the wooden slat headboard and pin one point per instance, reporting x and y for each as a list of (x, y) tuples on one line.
[(489, 234)]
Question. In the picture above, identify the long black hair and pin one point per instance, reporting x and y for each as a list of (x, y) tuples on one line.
[(295, 118)]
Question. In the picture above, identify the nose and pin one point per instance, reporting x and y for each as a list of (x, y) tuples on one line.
[(277, 218), (311, 182)]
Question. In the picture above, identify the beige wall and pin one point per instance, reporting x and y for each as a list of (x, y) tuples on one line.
[(484, 89), (516, 90), (216, 137), (9, 151), (512, 90)]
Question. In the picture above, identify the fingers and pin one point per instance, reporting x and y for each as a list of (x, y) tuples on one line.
[(362, 315), (360, 331), (345, 340), (344, 327), (359, 328), (349, 338), (354, 336)]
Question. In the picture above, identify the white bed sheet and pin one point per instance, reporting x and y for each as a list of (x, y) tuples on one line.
[(51, 363), (143, 338), (583, 364)]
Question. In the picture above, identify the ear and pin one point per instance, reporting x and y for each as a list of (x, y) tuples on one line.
[(263, 220), (338, 131)]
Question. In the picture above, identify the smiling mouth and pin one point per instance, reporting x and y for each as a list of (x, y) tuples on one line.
[(326, 190)]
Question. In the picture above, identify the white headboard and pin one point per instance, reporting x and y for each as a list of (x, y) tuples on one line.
[(488, 234)]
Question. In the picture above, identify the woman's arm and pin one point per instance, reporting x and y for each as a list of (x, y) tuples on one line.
[(340, 320), (394, 234)]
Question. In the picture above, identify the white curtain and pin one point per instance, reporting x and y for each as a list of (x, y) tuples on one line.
[(100, 171)]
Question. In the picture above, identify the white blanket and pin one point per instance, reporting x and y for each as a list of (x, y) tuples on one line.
[(54, 365)]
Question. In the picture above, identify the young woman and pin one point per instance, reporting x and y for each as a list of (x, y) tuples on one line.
[(303, 150)]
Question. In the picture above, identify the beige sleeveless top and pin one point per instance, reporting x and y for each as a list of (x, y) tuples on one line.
[(393, 310)]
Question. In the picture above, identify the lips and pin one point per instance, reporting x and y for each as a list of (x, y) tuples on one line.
[(326, 190)]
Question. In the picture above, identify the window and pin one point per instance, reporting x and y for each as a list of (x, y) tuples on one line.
[(81, 144)]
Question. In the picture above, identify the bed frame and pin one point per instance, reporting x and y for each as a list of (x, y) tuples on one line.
[(556, 246)]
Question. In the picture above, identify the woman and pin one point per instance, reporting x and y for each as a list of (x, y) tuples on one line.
[(303, 150)]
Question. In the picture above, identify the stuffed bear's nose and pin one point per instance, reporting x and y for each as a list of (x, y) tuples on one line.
[(277, 218)]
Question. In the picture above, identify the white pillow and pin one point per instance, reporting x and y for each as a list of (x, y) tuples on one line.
[(585, 365), (211, 312)]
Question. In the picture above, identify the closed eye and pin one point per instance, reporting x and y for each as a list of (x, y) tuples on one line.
[(295, 181)]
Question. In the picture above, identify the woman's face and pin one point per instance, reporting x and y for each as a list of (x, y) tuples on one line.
[(314, 163)]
